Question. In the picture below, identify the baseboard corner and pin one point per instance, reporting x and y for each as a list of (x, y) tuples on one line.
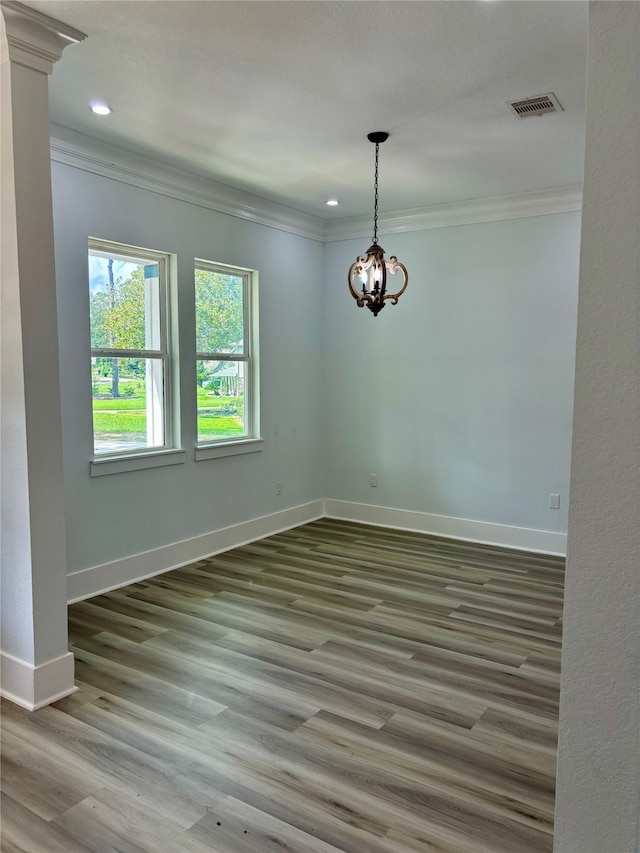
[(32, 687), (464, 529)]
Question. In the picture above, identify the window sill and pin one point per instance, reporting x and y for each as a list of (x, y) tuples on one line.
[(137, 462), (232, 448)]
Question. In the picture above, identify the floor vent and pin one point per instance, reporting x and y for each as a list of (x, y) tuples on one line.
[(536, 106)]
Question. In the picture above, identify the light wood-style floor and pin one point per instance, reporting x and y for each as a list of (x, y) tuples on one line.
[(333, 688)]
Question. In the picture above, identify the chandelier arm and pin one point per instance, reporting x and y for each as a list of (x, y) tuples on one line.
[(393, 264), (361, 263)]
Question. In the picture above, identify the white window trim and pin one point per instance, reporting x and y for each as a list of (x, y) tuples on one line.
[(252, 441), (229, 448), (170, 452), (103, 465)]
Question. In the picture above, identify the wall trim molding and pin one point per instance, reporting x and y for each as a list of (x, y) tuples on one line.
[(487, 533), (118, 164), (110, 161), (117, 573), (33, 687), (541, 203)]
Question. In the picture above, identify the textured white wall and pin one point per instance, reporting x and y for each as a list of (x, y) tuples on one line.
[(598, 799), (460, 396), (118, 515)]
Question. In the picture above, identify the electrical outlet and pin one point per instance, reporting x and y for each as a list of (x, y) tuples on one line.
[(373, 480), (279, 488), (554, 501)]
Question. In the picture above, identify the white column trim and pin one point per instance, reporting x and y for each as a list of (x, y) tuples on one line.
[(33, 38), (33, 543)]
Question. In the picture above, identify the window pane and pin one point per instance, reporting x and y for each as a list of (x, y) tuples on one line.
[(128, 404), (124, 298), (219, 312), (221, 386)]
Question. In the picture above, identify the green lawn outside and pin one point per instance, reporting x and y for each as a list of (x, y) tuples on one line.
[(120, 404), (117, 422), (120, 415), (213, 425), (209, 427)]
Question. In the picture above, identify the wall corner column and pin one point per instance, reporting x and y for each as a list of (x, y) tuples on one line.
[(37, 667), (598, 790)]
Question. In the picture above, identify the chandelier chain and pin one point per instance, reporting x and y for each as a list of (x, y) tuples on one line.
[(375, 207)]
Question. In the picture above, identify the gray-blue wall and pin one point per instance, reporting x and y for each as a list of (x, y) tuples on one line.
[(114, 516), (459, 398)]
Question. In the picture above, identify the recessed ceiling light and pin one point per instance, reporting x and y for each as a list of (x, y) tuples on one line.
[(101, 109), (333, 202)]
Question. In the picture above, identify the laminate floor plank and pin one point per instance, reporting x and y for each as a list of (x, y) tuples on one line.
[(221, 615), (24, 831), (85, 749), (24, 765), (495, 784), (89, 620), (335, 688), (108, 821), (318, 627), (236, 827), (377, 800), (104, 676), (320, 816)]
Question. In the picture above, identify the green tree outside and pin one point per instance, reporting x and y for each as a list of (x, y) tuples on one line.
[(118, 321), (219, 312)]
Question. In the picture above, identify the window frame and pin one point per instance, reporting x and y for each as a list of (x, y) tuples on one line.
[(168, 452), (250, 440)]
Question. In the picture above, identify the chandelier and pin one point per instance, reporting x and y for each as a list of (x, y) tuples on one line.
[(368, 274)]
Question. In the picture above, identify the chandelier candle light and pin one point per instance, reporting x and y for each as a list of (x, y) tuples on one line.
[(368, 275)]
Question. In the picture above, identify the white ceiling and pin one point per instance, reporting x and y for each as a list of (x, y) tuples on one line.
[(276, 98)]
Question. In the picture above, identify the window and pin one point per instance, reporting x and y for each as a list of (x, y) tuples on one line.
[(226, 344), (130, 368)]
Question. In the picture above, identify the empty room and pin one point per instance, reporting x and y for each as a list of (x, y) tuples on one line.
[(310, 544)]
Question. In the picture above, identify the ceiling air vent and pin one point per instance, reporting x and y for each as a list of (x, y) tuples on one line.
[(536, 106)]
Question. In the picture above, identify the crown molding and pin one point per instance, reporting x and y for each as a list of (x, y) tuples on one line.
[(541, 203), (110, 161), (33, 38), (119, 164)]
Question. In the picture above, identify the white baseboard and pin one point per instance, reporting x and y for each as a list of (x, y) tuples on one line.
[(108, 576), (507, 536), (33, 687), (137, 567)]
